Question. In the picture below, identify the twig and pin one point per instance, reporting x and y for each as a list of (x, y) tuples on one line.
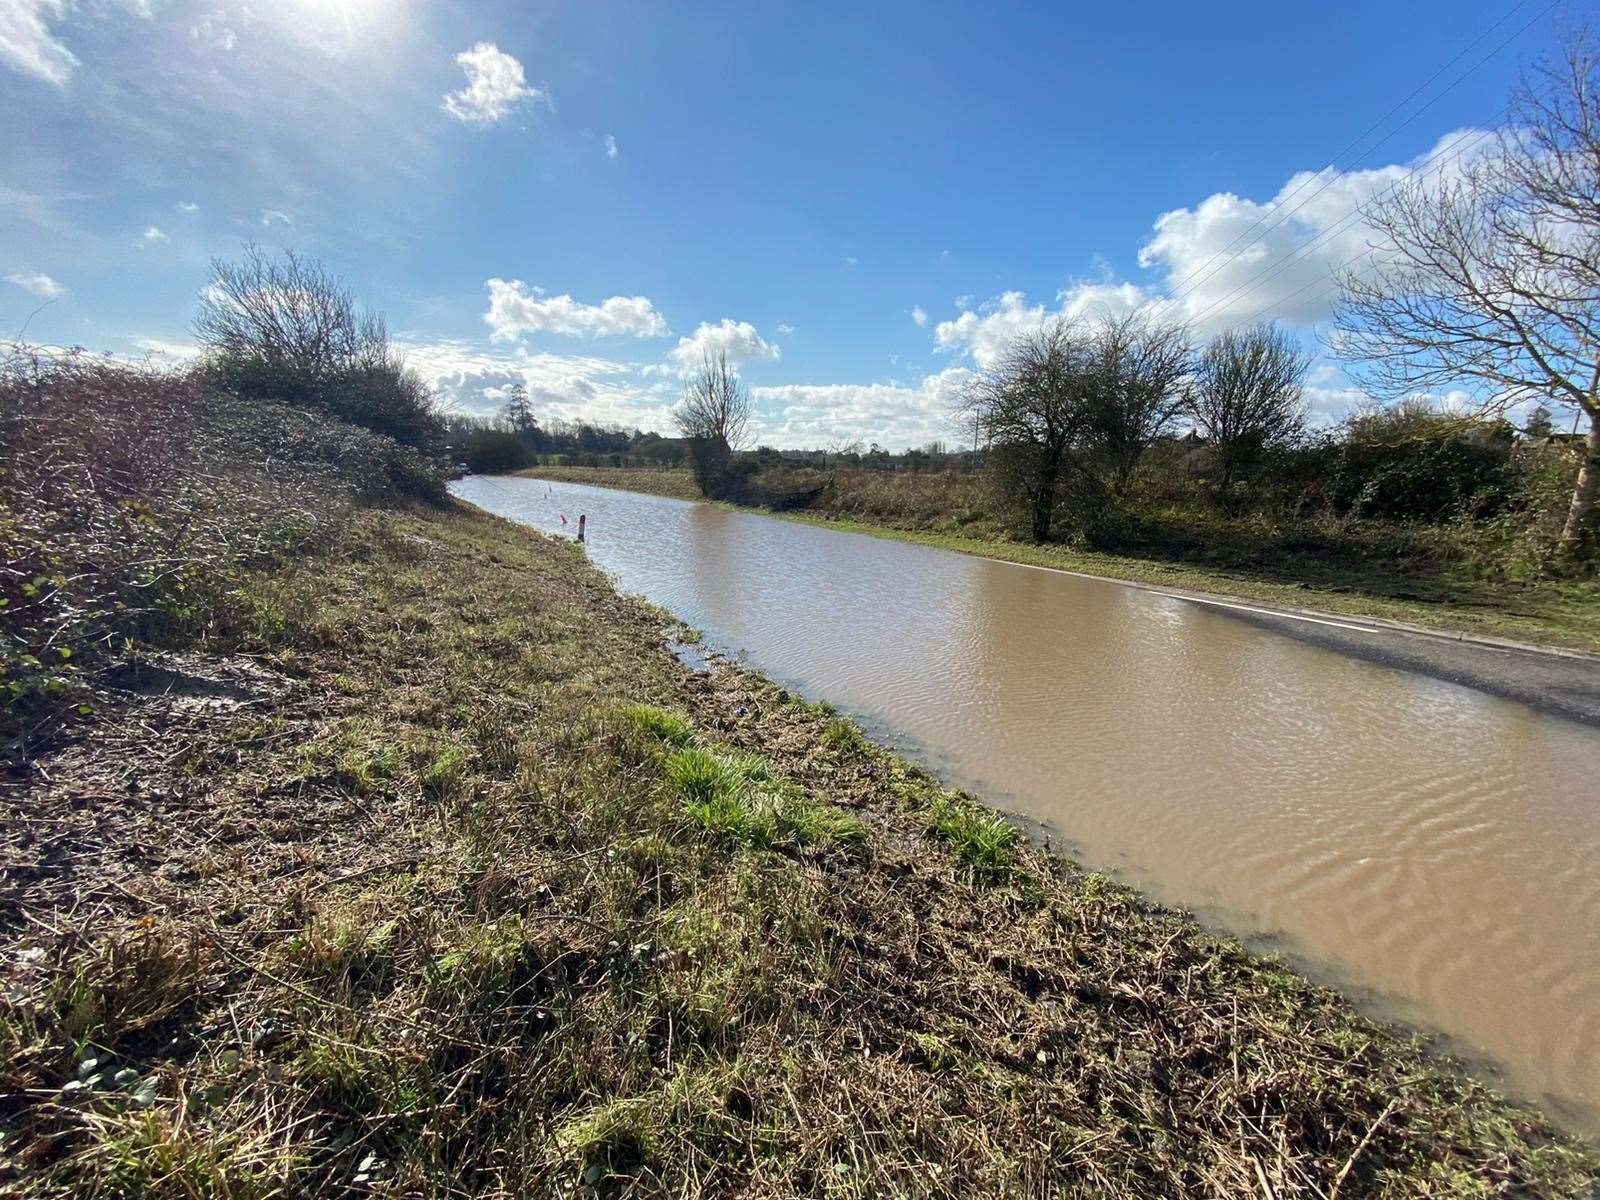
[(1339, 1179), (412, 861)]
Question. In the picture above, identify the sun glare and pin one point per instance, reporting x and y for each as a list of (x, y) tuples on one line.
[(350, 18)]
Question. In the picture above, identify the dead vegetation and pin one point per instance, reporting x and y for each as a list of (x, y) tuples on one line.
[(131, 503), (475, 890)]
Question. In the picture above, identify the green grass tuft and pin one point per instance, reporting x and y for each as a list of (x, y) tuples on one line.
[(844, 734), (983, 842), (670, 728), (811, 823), (734, 795)]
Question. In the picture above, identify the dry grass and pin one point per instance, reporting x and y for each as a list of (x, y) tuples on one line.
[(477, 891), (130, 503)]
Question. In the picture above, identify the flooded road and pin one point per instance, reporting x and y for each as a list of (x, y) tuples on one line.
[(1432, 847)]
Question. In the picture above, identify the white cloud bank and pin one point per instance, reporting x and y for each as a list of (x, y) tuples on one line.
[(892, 414), (515, 311), (985, 331), (495, 85), (469, 378), (739, 340), (37, 283), (176, 352), (1229, 260), (27, 43)]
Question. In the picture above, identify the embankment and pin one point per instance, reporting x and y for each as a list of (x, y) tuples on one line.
[(430, 869)]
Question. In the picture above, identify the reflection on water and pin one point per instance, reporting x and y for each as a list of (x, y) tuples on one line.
[(1411, 837)]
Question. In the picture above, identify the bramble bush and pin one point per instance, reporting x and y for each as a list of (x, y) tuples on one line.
[(130, 502)]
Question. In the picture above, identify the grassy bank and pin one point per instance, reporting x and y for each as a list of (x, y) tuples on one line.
[(1384, 572), (425, 869)]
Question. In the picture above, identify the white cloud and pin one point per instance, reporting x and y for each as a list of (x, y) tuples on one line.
[(1330, 395), (37, 283), (611, 146), (472, 378), (1229, 259), (515, 311), (786, 329), (214, 29), (469, 378), (919, 315), (892, 414), (181, 352), (153, 233), (736, 339), (272, 216), (188, 206), (985, 332), (27, 43), (495, 85)]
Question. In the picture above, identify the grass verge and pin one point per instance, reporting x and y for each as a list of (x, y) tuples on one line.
[(483, 893)]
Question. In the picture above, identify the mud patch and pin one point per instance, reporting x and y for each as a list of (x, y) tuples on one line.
[(195, 683)]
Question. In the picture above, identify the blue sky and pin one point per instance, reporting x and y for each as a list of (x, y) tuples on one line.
[(859, 203)]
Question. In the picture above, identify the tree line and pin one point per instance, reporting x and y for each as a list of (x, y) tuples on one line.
[(1070, 409), (516, 437), (1488, 277)]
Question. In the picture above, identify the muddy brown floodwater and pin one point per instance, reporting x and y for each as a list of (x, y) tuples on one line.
[(1431, 847)]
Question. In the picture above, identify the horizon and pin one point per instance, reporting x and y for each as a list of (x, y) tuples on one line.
[(588, 198)]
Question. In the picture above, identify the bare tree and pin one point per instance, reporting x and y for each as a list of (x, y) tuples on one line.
[(1247, 397), (1493, 277), (286, 329), (287, 314), (713, 418), (1035, 406), (1144, 366)]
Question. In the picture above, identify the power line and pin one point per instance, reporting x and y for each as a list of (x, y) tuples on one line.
[(1355, 214), (1300, 252), (1183, 283)]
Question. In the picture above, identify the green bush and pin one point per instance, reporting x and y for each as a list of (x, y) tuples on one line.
[(496, 452), (1434, 476)]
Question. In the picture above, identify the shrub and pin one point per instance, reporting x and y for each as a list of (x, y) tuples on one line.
[(131, 501), (496, 451), (1522, 541), (1432, 474), (286, 330)]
